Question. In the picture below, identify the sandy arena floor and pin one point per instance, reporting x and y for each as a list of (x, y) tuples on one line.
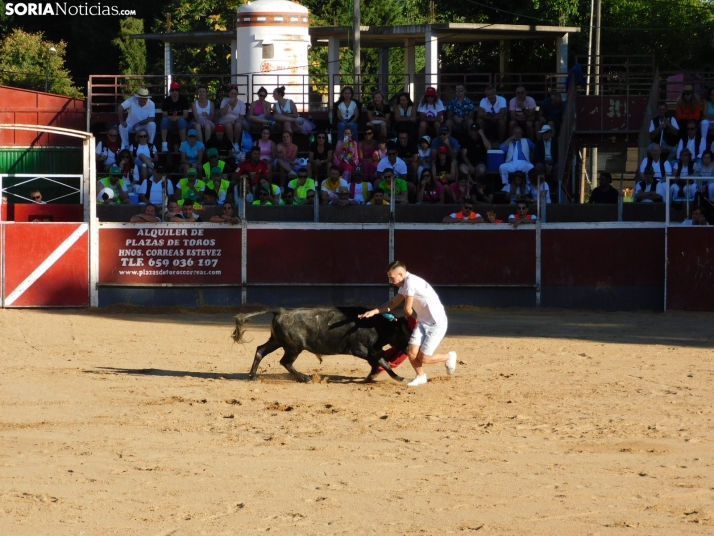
[(556, 422)]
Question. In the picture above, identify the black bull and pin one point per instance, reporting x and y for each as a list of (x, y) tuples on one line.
[(328, 331)]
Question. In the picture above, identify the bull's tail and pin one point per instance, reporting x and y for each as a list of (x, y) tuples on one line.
[(243, 318)]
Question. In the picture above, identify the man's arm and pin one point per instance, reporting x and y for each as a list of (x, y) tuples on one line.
[(120, 114), (408, 306), (143, 218), (385, 308)]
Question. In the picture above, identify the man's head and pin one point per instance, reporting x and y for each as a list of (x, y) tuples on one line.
[(519, 178), (302, 176), (112, 133), (604, 179), (649, 174), (343, 193), (556, 98), (289, 196), (150, 210), (696, 214), (263, 194), (334, 173), (403, 139), (392, 152), (656, 151), (36, 196), (692, 129), (192, 174), (491, 94), (357, 177), (143, 96), (227, 209), (387, 174), (467, 206), (378, 196), (212, 156), (521, 92), (517, 132), (396, 273), (522, 208), (460, 90), (114, 174), (255, 155), (159, 174), (444, 132), (174, 89), (210, 197), (661, 109), (187, 208), (172, 206), (546, 132), (220, 132), (310, 197), (474, 130)]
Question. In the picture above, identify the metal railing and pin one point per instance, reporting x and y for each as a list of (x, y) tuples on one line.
[(34, 181), (620, 74)]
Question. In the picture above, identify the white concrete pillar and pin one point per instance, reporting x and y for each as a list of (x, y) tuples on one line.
[(432, 58), (333, 70), (168, 65), (409, 67), (561, 60)]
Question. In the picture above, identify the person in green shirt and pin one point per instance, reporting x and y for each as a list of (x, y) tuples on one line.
[(115, 183), (264, 197), (191, 187), (400, 187), (301, 185), (218, 184)]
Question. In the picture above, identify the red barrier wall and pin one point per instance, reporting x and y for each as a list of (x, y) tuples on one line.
[(690, 269), (458, 256), (27, 107), (46, 265), (318, 256), (29, 212)]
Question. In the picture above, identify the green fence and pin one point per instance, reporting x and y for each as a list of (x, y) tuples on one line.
[(39, 161)]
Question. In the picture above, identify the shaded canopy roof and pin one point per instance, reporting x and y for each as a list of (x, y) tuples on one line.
[(390, 36)]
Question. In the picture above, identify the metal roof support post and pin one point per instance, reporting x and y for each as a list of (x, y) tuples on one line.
[(168, 65), (431, 41), (384, 72), (409, 67), (333, 71), (561, 60)]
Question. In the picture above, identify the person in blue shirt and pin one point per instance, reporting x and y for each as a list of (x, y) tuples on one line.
[(518, 154)]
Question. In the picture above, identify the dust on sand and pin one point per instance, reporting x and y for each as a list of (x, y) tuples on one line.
[(556, 422)]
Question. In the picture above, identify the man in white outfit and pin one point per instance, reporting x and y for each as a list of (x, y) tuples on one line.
[(142, 112), (518, 154), (420, 298)]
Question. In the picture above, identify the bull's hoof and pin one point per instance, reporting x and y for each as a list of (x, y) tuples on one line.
[(303, 379), (371, 378), (252, 377)]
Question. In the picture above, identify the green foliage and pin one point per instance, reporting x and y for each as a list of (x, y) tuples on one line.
[(24, 61), (133, 51)]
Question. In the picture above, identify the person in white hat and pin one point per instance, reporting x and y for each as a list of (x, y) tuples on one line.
[(142, 112)]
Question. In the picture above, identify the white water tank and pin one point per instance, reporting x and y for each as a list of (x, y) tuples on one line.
[(271, 45)]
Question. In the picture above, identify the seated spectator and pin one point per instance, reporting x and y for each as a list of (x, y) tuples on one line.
[(104, 197), (219, 184), (190, 187), (116, 184), (430, 191), (151, 191), (405, 116), (367, 148), (343, 197), (220, 142), (378, 198), (259, 115), (265, 184), (108, 149), (649, 189), (522, 110), (172, 209), (604, 192), (232, 117), (346, 153), (347, 112), (213, 161), (142, 112), (518, 154), (661, 167), (482, 191), (458, 190), (284, 111), (36, 197), (328, 188), (693, 141), (125, 164), (392, 162), (697, 218), (263, 197), (289, 198), (148, 216), (664, 130), (689, 107), (705, 168), (238, 184), (460, 111), (319, 157), (491, 114), (445, 139), (253, 167), (430, 113), (519, 189), (286, 161), (310, 199), (210, 198), (409, 153), (204, 115), (544, 189), (424, 155), (680, 187), (379, 114), (708, 113), (401, 190), (226, 215), (144, 155), (382, 141), (191, 152), (174, 112), (268, 149), (187, 215), (522, 215), (301, 186), (465, 215), (360, 189), (551, 113), (474, 153), (545, 154), (444, 167)]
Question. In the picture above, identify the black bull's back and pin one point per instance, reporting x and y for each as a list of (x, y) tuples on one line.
[(329, 331)]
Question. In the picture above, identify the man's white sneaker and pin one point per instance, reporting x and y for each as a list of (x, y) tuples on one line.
[(451, 363), (418, 380), (165, 147)]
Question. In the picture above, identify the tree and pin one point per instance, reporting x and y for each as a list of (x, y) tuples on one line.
[(133, 51), (25, 61)]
